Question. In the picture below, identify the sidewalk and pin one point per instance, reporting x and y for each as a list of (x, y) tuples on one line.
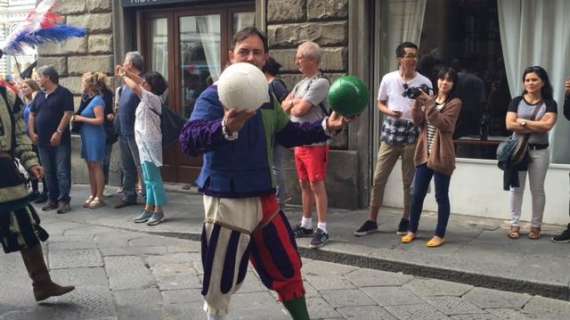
[(477, 251)]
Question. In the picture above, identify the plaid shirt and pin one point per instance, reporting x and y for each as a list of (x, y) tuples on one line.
[(399, 131)]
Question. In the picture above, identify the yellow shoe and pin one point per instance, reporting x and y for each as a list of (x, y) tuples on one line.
[(435, 242), (408, 238)]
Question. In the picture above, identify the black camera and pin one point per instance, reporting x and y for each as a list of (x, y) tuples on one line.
[(414, 92)]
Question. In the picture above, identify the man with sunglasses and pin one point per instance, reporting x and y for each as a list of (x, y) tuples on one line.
[(398, 137)]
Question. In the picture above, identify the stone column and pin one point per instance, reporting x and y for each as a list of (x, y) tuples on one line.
[(290, 23)]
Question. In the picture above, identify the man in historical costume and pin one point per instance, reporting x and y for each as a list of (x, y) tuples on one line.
[(243, 220), (20, 228)]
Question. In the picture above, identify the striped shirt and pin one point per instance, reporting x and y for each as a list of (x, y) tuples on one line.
[(431, 129)]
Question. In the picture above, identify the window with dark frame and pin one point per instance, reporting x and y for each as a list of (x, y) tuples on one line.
[(465, 35)]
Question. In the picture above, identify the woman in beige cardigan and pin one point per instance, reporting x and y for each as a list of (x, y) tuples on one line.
[(435, 153)]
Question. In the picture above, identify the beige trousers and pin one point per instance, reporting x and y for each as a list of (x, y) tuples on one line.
[(387, 157)]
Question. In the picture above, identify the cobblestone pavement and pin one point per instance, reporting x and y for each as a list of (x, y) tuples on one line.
[(132, 275)]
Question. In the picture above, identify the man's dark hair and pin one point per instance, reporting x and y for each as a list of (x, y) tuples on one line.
[(248, 32), (50, 73), (400, 50), (156, 82), (272, 66)]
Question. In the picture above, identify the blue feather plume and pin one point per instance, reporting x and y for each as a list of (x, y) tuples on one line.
[(59, 32)]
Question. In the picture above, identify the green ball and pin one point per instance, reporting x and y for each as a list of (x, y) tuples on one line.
[(348, 96)]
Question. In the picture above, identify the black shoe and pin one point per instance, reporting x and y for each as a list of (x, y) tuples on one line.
[(564, 236), (403, 227), (367, 227), (125, 203), (319, 239), (41, 198), (50, 206), (301, 232), (64, 207)]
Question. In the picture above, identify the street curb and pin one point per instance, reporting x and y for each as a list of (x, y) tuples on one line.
[(480, 280)]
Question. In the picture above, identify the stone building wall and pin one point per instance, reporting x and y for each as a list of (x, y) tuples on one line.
[(289, 23), (76, 56)]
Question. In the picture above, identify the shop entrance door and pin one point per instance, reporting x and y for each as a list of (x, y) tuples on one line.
[(189, 47)]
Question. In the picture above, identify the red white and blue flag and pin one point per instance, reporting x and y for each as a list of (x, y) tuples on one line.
[(42, 25)]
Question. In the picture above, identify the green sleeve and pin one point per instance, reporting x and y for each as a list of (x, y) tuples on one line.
[(24, 150)]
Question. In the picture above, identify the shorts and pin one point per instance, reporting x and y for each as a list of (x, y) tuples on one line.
[(311, 163)]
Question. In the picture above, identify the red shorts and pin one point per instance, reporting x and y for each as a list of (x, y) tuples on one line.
[(311, 163)]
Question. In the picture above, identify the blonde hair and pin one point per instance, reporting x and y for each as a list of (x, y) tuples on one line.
[(91, 80), (32, 84)]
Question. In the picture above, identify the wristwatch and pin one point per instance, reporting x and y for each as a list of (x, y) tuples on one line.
[(59, 131), (230, 137), (523, 123)]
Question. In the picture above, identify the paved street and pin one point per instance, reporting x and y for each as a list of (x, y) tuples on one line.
[(124, 274)]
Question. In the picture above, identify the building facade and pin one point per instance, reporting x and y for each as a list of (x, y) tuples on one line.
[(491, 40)]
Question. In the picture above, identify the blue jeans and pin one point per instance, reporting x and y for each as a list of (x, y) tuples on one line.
[(421, 184), (155, 194), (279, 154), (57, 165), (131, 166)]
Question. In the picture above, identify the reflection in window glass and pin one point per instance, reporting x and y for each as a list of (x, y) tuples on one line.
[(242, 20), (200, 38), (466, 36), (159, 43)]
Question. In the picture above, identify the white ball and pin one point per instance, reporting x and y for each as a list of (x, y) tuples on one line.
[(243, 86)]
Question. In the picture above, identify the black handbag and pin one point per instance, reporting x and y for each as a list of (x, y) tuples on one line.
[(171, 124)]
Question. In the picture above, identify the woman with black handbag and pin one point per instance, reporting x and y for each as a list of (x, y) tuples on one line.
[(532, 114)]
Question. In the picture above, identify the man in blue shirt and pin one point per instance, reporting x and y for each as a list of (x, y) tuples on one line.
[(130, 161), (49, 129)]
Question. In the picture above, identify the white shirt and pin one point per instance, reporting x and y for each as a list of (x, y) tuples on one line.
[(391, 89), (147, 128)]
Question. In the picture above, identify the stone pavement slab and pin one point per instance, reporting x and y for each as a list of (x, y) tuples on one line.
[(477, 251)]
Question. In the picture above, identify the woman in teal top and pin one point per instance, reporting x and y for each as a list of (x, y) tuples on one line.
[(93, 138)]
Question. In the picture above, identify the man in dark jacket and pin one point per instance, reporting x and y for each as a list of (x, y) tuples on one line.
[(565, 235), (20, 228)]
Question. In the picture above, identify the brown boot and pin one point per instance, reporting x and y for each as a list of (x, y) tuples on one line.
[(37, 269)]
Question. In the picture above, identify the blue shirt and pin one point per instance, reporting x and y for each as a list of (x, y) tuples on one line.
[(128, 103), (49, 111)]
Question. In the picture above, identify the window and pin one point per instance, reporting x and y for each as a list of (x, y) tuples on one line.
[(466, 36)]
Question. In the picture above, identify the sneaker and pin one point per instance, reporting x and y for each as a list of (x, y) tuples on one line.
[(143, 217), (319, 239), (403, 227), (301, 232), (155, 219), (564, 236), (367, 227), (64, 207)]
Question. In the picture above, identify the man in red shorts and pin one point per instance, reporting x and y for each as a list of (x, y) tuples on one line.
[(307, 102)]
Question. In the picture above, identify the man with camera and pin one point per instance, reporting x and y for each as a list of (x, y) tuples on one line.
[(396, 95), (565, 235)]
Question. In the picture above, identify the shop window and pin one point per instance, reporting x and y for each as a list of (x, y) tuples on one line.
[(466, 36)]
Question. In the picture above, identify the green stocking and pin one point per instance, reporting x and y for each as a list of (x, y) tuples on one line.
[(297, 308)]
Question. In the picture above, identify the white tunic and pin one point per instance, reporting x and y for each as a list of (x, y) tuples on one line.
[(147, 128)]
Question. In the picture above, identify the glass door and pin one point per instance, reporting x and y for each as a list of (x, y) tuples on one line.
[(189, 46)]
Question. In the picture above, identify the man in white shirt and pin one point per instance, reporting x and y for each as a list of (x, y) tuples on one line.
[(399, 135)]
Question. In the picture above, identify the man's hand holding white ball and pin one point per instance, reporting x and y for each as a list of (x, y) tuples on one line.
[(235, 119)]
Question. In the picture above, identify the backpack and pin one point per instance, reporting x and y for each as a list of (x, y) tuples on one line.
[(171, 124)]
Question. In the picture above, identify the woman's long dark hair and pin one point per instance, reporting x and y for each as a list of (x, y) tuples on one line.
[(451, 74), (546, 90)]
